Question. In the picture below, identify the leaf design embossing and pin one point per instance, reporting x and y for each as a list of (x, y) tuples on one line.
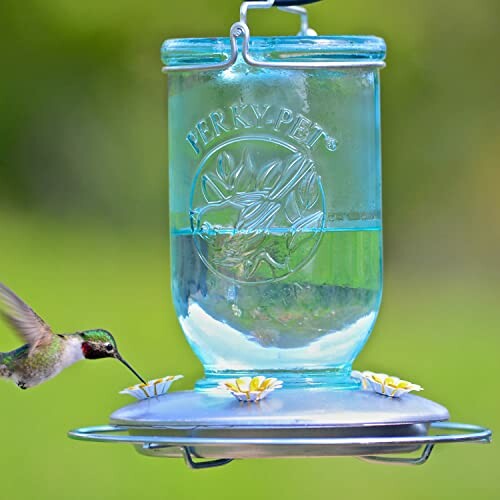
[(269, 175), (244, 177), (293, 173), (255, 217), (308, 191), (225, 167), (212, 189), (312, 220), (292, 210)]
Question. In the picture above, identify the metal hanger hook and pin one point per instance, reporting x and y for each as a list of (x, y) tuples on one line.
[(305, 30)]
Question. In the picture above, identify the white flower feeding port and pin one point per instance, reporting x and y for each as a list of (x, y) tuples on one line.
[(276, 246), (153, 388)]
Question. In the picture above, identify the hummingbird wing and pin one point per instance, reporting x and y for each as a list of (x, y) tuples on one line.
[(26, 322)]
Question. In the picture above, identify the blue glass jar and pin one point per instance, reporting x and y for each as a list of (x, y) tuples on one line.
[(275, 202)]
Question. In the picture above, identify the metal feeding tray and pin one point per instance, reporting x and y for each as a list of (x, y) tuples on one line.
[(292, 423)]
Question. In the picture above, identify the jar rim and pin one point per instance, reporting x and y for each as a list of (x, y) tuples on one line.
[(184, 51)]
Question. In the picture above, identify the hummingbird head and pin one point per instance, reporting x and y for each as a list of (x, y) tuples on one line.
[(97, 344)]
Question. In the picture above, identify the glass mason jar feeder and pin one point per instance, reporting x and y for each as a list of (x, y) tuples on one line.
[(276, 252), (275, 200)]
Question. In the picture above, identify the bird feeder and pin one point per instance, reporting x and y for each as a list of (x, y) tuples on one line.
[(276, 255)]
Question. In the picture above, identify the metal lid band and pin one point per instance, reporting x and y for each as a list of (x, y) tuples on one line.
[(240, 29)]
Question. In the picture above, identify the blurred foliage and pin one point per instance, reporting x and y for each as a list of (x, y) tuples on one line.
[(98, 279), (83, 126), (83, 205)]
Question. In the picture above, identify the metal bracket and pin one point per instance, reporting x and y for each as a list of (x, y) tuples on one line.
[(187, 454), (240, 29), (482, 437), (426, 453)]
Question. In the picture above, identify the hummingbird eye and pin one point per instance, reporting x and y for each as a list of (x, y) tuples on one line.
[(108, 347)]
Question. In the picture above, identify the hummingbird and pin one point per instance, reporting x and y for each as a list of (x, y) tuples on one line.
[(45, 353)]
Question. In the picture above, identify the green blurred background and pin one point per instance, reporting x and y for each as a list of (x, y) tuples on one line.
[(83, 210)]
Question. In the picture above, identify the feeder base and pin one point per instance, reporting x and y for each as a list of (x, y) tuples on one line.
[(289, 423)]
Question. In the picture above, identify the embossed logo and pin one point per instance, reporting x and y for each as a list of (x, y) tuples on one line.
[(257, 207)]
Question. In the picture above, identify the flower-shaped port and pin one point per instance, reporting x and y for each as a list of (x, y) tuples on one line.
[(153, 388), (384, 384), (250, 390)]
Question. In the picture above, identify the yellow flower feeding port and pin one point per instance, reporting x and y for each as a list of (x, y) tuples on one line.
[(385, 384), (251, 390)]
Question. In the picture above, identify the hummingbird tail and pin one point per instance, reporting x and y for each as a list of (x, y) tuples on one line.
[(4, 371)]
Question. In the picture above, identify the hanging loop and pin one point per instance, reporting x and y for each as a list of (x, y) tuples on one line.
[(292, 9), (241, 30)]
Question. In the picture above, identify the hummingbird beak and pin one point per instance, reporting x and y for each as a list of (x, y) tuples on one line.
[(119, 358)]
